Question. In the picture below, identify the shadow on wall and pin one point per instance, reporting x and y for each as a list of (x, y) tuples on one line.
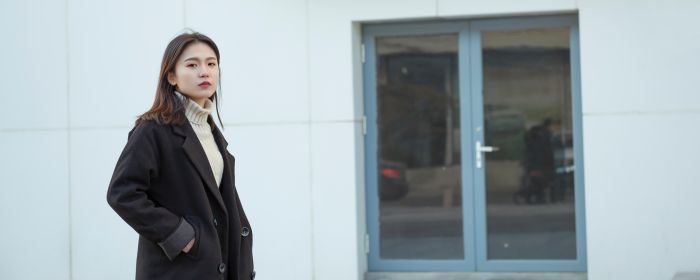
[(687, 276)]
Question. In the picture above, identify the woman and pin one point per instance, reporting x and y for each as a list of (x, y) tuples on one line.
[(174, 182)]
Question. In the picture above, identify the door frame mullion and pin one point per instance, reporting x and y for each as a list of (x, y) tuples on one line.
[(466, 136)]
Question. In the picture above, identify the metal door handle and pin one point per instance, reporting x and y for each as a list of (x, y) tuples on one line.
[(482, 149)]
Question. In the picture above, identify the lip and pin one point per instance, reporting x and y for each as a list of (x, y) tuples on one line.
[(204, 84)]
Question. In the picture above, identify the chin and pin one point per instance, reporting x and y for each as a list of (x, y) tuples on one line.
[(200, 94), (208, 94)]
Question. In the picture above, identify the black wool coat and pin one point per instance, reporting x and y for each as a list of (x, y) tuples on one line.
[(164, 188)]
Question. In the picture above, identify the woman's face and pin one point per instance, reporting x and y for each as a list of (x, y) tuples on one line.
[(196, 72)]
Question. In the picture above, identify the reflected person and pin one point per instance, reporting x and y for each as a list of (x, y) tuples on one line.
[(538, 163)]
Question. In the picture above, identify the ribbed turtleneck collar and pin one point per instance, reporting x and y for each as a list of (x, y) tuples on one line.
[(195, 113)]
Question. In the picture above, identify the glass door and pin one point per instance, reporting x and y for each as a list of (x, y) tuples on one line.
[(418, 126), (415, 122), (529, 203), (472, 147)]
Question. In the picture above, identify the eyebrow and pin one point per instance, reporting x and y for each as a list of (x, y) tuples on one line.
[(195, 59)]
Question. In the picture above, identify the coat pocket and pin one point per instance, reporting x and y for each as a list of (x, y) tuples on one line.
[(194, 251)]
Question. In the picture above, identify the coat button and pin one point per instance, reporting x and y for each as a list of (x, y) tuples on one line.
[(216, 223), (245, 231), (252, 275), (222, 267)]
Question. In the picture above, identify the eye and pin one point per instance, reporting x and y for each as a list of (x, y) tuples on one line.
[(191, 65), (212, 64)]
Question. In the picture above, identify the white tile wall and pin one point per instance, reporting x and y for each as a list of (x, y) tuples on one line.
[(272, 178), (641, 195), (336, 238), (470, 8), (368, 10), (103, 245), (116, 49), (639, 56), (264, 60), (33, 75), (34, 205)]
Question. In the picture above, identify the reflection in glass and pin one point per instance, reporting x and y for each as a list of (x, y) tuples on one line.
[(419, 158), (527, 114)]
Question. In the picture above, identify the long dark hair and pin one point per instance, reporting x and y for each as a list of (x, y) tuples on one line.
[(167, 108)]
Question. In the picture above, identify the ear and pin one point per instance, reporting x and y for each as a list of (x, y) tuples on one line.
[(171, 79)]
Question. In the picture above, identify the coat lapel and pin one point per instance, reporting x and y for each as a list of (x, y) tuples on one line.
[(195, 152), (228, 177), (228, 190)]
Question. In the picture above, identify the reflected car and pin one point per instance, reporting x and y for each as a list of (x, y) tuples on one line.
[(392, 184)]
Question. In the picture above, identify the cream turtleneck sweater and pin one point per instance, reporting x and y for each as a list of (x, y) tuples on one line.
[(197, 116)]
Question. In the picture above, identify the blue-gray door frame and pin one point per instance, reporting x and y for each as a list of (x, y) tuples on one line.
[(471, 116)]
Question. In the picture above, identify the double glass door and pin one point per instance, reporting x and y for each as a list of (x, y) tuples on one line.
[(473, 146)]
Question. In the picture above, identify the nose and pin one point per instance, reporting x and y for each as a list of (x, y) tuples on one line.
[(203, 72)]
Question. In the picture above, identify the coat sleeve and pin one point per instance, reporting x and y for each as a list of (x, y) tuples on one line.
[(128, 193)]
